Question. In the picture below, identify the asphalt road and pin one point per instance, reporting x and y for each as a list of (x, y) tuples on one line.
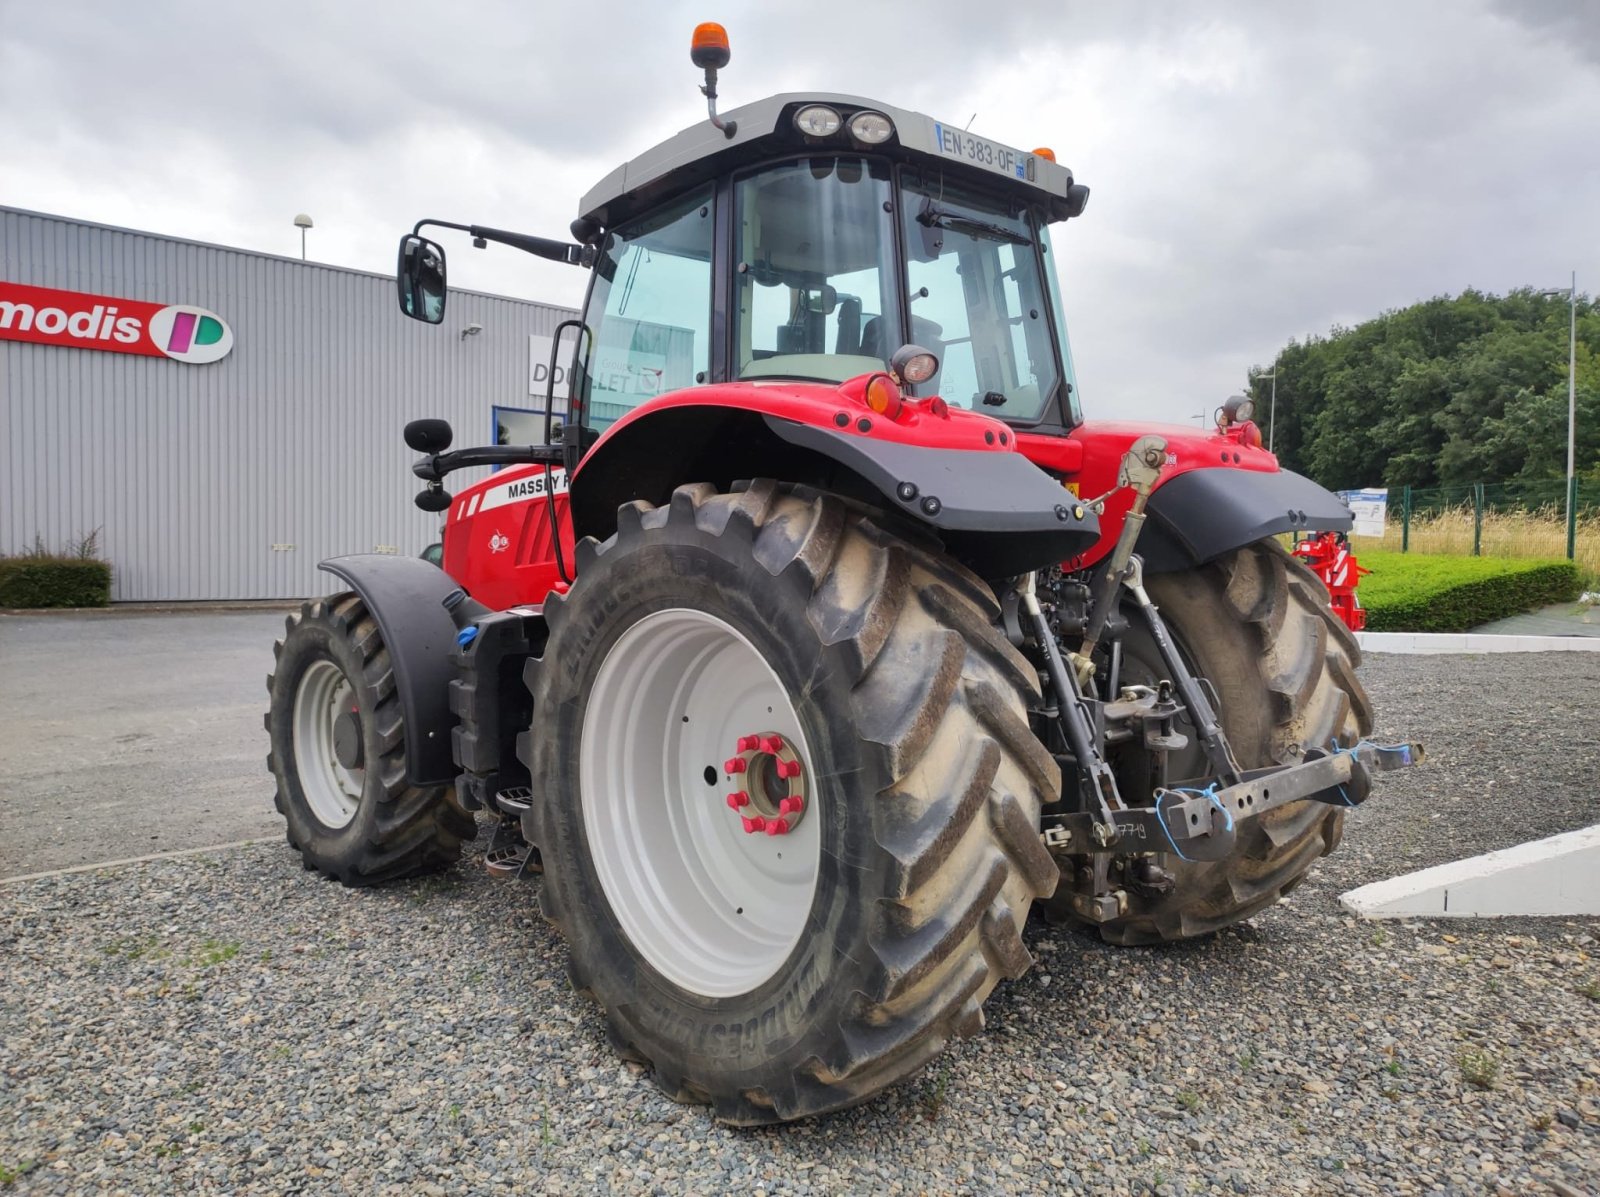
[(124, 735)]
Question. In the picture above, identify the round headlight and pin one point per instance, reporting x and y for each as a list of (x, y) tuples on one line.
[(871, 128), (914, 364), (817, 120), (1245, 410)]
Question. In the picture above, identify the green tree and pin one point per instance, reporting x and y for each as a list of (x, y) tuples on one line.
[(1449, 391)]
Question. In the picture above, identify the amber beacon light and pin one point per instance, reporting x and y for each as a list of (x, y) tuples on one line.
[(708, 48)]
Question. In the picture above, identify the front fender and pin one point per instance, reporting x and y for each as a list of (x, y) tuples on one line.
[(1202, 514), (412, 602)]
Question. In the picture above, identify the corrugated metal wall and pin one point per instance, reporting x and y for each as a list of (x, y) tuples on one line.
[(193, 473)]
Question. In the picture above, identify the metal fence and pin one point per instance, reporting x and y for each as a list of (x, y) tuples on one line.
[(1548, 503)]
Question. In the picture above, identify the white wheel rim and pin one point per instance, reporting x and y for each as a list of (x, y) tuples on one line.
[(712, 908), (332, 791)]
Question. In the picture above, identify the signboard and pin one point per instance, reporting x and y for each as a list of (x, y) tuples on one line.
[(1370, 507), (539, 368), (76, 320)]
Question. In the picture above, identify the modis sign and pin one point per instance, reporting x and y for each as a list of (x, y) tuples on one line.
[(78, 321)]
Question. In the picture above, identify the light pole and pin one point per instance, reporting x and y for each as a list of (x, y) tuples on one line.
[(1272, 412), (1572, 409), (303, 222)]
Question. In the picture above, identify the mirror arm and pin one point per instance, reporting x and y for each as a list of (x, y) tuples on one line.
[(434, 467), (543, 247)]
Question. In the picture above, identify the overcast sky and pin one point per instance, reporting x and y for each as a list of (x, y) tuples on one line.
[(1260, 171)]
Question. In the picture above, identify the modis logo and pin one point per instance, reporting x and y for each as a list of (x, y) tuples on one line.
[(78, 321)]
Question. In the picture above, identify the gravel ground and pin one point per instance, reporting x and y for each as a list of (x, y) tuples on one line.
[(229, 1023)]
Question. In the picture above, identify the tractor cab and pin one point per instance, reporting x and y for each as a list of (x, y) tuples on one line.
[(831, 230), (806, 238)]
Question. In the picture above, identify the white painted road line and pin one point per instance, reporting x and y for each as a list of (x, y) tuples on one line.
[(128, 860)]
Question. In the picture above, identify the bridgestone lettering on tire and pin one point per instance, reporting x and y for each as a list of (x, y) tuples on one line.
[(1257, 624), (368, 824), (928, 780)]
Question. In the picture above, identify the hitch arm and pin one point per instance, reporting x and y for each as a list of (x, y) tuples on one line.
[(1098, 784)]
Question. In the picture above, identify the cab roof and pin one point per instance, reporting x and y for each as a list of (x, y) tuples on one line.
[(765, 129)]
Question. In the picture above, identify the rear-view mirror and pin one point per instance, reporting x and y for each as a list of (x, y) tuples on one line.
[(421, 278)]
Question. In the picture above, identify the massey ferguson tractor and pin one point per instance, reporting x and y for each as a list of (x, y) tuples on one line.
[(823, 638)]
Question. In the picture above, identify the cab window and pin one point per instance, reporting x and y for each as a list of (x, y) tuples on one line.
[(652, 290)]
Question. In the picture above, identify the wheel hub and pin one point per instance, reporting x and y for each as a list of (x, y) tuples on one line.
[(709, 900), (773, 800), (347, 746)]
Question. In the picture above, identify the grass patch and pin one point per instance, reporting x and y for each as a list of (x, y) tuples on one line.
[(212, 952), (1189, 1100), (1416, 592), (1479, 1068), (1537, 533), (11, 1173)]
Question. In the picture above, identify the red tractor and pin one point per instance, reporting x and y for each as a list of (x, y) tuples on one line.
[(824, 638)]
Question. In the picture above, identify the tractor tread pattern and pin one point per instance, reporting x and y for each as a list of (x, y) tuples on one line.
[(1306, 660), (416, 829), (941, 692)]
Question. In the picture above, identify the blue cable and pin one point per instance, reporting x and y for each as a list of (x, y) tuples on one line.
[(1209, 792)]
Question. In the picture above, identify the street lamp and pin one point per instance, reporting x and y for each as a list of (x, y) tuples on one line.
[(1272, 413), (1572, 408), (303, 222)]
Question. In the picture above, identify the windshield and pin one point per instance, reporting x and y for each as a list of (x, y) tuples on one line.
[(978, 299), (813, 262)]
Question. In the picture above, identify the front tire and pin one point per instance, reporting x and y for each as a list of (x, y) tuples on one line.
[(339, 758), (1257, 625), (780, 987)]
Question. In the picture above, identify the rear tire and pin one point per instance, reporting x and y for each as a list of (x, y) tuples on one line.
[(925, 789), (357, 818), (1257, 625)]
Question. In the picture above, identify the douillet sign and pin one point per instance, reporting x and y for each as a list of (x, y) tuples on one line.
[(75, 320)]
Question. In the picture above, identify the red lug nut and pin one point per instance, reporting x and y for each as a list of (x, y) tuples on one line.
[(792, 806), (779, 826), (788, 768), (757, 823), (738, 799), (772, 744), (734, 764), (748, 744)]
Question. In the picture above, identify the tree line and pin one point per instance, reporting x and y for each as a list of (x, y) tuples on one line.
[(1447, 392)]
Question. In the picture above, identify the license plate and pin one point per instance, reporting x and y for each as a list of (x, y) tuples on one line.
[(980, 151)]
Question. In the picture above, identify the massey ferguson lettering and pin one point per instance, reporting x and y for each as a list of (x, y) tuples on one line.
[(80, 321)]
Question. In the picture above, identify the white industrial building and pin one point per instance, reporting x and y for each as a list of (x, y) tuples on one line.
[(226, 419)]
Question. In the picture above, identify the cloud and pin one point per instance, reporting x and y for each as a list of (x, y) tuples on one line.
[(1259, 171)]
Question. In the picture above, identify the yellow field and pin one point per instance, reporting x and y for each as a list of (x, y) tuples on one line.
[(1505, 534)]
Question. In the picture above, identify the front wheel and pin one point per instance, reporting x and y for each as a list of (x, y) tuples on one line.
[(1257, 625), (338, 754), (788, 797)]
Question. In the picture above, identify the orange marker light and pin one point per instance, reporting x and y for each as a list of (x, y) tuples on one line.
[(883, 396), (708, 48), (1045, 152)]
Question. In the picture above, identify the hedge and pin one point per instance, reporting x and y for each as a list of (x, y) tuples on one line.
[(1416, 592), (43, 581)]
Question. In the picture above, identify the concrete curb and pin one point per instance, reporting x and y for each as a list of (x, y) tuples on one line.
[(1549, 877), (1473, 642)]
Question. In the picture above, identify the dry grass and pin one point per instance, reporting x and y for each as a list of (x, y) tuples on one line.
[(1505, 534)]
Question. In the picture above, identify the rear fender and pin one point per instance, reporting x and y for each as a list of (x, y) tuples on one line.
[(995, 512), (417, 607), (1200, 515)]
